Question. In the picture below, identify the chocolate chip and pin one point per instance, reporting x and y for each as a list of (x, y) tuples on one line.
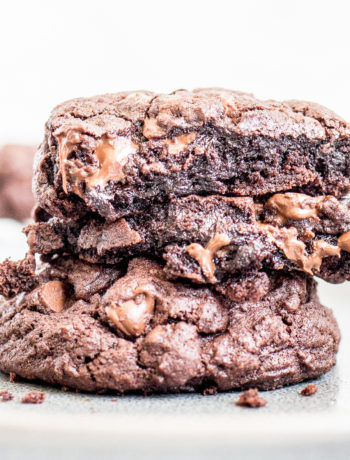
[(53, 295)]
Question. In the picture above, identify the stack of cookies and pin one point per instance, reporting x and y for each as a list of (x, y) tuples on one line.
[(174, 244)]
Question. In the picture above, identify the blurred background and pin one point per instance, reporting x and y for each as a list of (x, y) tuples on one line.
[(53, 51)]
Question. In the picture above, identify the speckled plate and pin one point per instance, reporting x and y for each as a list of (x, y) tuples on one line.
[(82, 426)]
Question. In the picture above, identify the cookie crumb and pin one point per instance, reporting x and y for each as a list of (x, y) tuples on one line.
[(251, 398), (12, 377), (33, 397), (6, 396), (209, 391), (309, 390)]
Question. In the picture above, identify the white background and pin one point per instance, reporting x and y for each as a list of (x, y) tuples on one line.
[(55, 50)]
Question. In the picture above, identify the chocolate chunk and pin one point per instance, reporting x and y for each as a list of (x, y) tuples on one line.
[(53, 294), (294, 249), (344, 241), (205, 255), (295, 206), (132, 316)]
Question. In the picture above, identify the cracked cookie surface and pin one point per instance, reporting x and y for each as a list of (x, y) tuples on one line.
[(95, 327), (117, 153)]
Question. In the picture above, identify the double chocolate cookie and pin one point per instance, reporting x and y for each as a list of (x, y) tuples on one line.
[(118, 154), (16, 171), (207, 239), (96, 328)]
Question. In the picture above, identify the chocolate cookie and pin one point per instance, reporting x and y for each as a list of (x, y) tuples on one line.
[(118, 154), (95, 328), (207, 239), (16, 170)]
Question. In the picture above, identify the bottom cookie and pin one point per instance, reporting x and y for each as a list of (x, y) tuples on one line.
[(94, 328)]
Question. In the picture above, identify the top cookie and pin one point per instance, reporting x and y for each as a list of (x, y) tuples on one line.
[(116, 154)]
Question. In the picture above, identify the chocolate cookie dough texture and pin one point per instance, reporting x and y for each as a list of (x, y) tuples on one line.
[(16, 171), (178, 235), (206, 239), (123, 169), (116, 154)]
